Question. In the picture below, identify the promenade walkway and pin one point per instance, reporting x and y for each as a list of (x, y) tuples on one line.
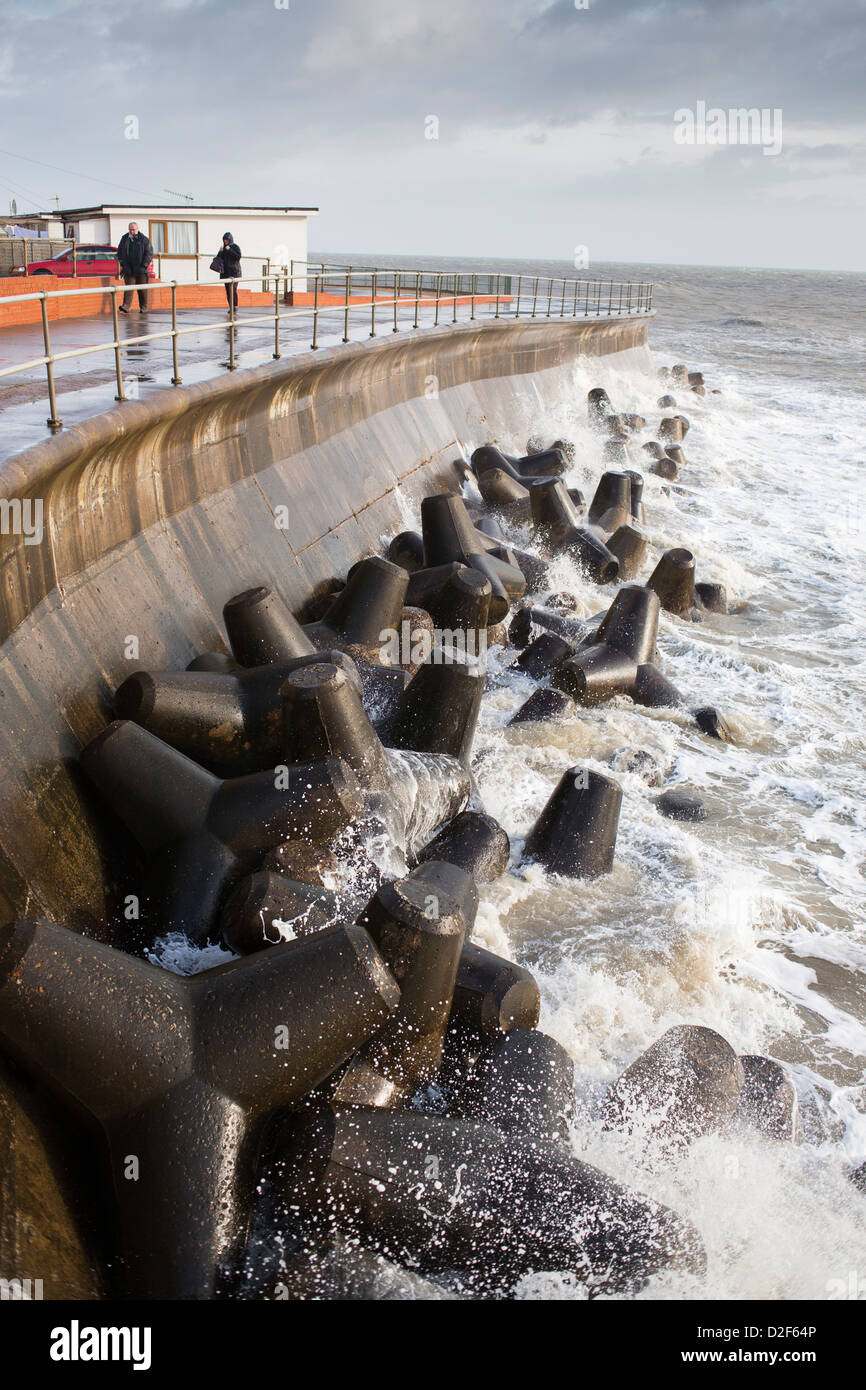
[(86, 385)]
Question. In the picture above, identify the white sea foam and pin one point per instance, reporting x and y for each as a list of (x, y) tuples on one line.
[(750, 922)]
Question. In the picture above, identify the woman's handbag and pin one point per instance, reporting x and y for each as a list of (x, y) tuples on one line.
[(218, 264)]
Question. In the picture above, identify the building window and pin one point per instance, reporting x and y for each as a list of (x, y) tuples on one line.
[(175, 238)]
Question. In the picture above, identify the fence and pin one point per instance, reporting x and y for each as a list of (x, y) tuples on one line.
[(20, 252), (391, 289)]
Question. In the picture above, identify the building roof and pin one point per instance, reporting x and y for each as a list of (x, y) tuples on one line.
[(172, 207)]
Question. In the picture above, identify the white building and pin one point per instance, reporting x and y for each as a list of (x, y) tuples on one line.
[(186, 238)]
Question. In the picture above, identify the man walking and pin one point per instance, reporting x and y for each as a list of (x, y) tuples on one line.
[(134, 255)]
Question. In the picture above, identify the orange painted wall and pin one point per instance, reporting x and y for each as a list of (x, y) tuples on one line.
[(204, 296), (210, 295)]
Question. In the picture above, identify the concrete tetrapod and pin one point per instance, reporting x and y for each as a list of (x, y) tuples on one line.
[(554, 516), (522, 1084), (571, 630), (201, 834), (616, 450), (629, 546), (491, 1208), (665, 467), (542, 706), (438, 711), (259, 902), (180, 1072), (261, 629), (500, 489), (547, 463), (407, 551), (598, 405), (534, 570), (611, 505), (543, 655), (215, 661), (575, 834), (672, 429), (419, 924), (491, 996), (673, 579), (228, 721), (371, 600), (475, 842), (712, 596), (768, 1100), (615, 661), (637, 507), (416, 788), (449, 535), (687, 1084), (457, 599)]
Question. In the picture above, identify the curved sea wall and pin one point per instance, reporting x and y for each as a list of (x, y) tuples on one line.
[(157, 512)]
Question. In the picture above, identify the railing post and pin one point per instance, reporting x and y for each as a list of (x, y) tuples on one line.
[(277, 319), (232, 363), (619, 306), (610, 300), (374, 282), (549, 297), (396, 329), (519, 283), (474, 294), (346, 315), (535, 296), (438, 295), (175, 381), (54, 421), (574, 305), (562, 303), (417, 296), (315, 343), (456, 279), (74, 262), (498, 286), (118, 370)]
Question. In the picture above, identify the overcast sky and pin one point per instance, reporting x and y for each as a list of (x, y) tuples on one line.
[(555, 123)]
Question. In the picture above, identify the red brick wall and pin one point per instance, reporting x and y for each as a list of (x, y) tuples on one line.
[(205, 296)]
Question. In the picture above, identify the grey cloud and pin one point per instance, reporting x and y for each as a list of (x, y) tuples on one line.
[(325, 102)]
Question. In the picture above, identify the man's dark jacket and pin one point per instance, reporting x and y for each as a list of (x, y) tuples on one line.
[(134, 253)]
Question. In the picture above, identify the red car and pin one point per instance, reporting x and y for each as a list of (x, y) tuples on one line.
[(89, 260)]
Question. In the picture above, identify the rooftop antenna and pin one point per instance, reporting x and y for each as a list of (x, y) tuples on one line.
[(188, 197)]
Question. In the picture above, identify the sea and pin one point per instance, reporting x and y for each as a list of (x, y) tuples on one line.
[(752, 921)]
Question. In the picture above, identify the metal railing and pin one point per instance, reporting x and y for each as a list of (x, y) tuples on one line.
[(335, 292)]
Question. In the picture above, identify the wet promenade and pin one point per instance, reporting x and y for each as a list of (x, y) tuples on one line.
[(86, 386)]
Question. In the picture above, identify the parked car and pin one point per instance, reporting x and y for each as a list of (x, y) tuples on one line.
[(90, 259)]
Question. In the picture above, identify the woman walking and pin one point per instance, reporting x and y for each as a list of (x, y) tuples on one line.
[(229, 256)]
